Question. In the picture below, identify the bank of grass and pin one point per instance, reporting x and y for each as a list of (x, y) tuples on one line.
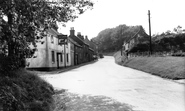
[(75, 102), (165, 67), (23, 90)]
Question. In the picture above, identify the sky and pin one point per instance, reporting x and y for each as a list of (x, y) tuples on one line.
[(165, 15)]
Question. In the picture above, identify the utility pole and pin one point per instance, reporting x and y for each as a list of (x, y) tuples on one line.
[(150, 32)]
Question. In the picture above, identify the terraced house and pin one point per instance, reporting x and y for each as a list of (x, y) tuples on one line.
[(59, 51)]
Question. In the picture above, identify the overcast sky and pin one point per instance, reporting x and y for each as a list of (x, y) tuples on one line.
[(165, 15)]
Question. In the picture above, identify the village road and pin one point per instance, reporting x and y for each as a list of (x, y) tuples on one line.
[(143, 91)]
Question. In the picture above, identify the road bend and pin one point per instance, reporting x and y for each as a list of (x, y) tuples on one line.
[(141, 90)]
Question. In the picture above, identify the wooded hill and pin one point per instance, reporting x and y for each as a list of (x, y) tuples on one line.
[(111, 39)]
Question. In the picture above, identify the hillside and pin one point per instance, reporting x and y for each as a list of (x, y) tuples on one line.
[(111, 39)]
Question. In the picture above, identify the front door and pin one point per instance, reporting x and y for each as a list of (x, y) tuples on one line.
[(58, 60)]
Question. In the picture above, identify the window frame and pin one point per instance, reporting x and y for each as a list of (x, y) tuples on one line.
[(53, 56), (52, 39), (67, 58)]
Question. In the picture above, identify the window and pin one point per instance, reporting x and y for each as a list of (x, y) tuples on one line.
[(52, 39), (53, 56), (61, 57), (67, 58)]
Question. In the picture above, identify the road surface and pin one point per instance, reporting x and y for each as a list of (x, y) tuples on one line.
[(143, 91)]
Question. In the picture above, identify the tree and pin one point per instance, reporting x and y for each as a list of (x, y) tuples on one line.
[(112, 39), (178, 29), (27, 22)]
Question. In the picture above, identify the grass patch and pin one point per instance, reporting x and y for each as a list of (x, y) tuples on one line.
[(25, 91), (75, 102), (166, 67)]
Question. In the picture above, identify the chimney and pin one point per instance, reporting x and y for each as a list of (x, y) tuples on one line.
[(86, 37), (72, 31), (79, 34), (82, 37)]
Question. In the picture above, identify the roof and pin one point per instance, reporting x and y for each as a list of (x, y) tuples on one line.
[(53, 31), (91, 49), (140, 31), (78, 40), (75, 43)]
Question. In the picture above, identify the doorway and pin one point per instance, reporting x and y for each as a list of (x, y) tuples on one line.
[(58, 60)]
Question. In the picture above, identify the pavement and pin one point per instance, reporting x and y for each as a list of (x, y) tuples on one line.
[(142, 91), (62, 70)]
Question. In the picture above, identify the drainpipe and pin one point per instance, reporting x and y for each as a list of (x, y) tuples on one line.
[(64, 56)]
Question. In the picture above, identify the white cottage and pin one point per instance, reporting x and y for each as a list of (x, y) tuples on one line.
[(50, 55)]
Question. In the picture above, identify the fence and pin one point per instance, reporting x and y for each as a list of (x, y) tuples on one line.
[(156, 54)]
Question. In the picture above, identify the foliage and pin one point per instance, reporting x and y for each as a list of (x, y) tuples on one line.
[(111, 39), (141, 47), (24, 22), (169, 43), (25, 92)]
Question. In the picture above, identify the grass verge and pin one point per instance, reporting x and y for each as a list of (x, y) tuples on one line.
[(165, 67), (23, 90), (75, 102)]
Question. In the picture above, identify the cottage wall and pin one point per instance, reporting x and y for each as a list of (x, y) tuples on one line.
[(50, 54)]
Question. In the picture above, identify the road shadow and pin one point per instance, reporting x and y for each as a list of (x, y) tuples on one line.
[(76, 102)]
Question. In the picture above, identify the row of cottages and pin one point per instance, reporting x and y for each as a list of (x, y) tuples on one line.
[(59, 51), (83, 50), (139, 37)]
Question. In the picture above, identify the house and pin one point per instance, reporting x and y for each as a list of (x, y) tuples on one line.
[(75, 50), (50, 54), (92, 49), (139, 37), (82, 49), (78, 47), (85, 48), (59, 51), (67, 49)]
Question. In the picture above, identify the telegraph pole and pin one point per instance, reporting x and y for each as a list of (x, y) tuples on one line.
[(150, 32)]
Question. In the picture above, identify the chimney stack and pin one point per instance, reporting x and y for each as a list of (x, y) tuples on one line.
[(72, 31), (78, 34), (86, 37)]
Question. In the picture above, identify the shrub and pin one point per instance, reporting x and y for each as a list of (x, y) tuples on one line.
[(25, 91), (178, 54)]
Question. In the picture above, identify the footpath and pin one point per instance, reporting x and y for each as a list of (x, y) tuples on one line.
[(57, 71)]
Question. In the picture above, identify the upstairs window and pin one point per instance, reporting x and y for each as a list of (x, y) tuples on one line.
[(52, 39)]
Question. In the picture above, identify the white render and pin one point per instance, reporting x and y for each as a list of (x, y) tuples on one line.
[(143, 91), (44, 52)]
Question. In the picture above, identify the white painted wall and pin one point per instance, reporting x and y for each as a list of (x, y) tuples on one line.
[(44, 53), (39, 58)]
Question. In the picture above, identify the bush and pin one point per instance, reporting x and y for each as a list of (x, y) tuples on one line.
[(25, 91), (179, 54)]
